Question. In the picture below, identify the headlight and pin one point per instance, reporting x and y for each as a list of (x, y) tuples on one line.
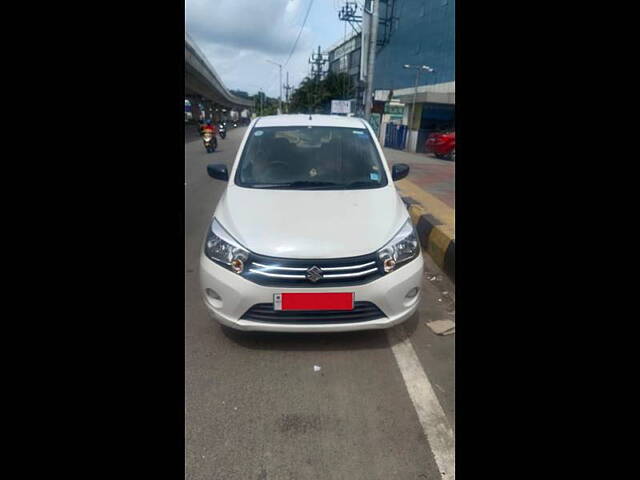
[(208, 136), (404, 246), (221, 247)]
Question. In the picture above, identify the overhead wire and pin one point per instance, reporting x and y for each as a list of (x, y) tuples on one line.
[(299, 33)]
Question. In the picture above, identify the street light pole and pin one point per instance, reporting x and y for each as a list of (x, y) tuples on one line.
[(415, 90)]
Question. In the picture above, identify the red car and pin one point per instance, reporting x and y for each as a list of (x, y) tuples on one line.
[(443, 145)]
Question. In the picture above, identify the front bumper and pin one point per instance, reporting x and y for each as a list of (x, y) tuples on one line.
[(237, 295)]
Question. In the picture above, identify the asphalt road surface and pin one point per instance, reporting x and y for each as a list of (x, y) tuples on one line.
[(381, 406)]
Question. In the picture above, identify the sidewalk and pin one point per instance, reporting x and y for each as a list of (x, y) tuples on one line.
[(433, 175), (429, 192)]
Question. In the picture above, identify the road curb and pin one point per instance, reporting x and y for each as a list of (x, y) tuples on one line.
[(436, 237)]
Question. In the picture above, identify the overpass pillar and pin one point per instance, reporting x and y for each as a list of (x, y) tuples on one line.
[(195, 108), (208, 110)]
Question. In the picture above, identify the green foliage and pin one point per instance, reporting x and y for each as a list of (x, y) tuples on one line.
[(264, 104), (240, 93), (310, 96), (314, 96)]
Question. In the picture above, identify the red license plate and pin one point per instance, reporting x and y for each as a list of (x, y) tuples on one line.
[(313, 301)]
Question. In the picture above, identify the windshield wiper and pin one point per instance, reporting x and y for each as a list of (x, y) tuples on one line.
[(362, 183), (298, 184)]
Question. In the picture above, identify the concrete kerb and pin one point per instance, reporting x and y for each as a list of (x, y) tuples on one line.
[(434, 224)]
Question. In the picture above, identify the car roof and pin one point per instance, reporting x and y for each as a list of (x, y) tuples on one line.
[(296, 120)]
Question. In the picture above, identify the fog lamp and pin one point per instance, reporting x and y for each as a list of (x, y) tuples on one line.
[(213, 294), (237, 265), (413, 292), (389, 264)]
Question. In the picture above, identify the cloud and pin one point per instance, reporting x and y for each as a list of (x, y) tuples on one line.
[(264, 26), (238, 36)]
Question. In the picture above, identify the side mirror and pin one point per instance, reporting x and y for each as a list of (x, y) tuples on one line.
[(218, 171), (399, 171)]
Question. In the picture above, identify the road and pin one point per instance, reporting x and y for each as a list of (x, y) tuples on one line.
[(381, 407)]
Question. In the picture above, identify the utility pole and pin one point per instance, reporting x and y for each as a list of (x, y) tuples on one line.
[(348, 14), (318, 60), (287, 87), (373, 40), (280, 97)]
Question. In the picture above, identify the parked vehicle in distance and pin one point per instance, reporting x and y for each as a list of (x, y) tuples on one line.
[(310, 233), (442, 144)]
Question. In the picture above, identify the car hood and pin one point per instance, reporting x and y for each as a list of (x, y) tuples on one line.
[(311, 223)]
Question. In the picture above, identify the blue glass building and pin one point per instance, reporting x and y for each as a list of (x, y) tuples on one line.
[(417, 32)]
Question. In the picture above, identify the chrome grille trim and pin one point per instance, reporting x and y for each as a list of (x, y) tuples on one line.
[(294, 272), (354, 274), (271, 267), (276, 275), (304, 269), (352, 267)]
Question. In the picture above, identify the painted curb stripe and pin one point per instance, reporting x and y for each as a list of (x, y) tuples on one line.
[(434, 238), (450, 261), (437, 245), (434, 222), (424, 228)]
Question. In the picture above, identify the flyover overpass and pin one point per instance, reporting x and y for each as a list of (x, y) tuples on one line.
[(203, 85)]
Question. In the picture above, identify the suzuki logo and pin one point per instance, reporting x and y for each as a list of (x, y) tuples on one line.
[(314, 274)]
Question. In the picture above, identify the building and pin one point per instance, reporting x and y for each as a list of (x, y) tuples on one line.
[(416, 32), (346, 57)]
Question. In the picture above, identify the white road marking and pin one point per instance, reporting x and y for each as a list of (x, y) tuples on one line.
[(432, 418)]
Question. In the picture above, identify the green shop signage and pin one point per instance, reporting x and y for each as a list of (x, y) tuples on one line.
[(395, 110)]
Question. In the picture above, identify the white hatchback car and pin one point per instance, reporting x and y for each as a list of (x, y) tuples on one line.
[(310, 233)]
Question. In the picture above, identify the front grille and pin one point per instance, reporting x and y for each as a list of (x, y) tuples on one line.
[(288, 272), (362, 312)]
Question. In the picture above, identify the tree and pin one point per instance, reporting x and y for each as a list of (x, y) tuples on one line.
[(269, 105), (314, 96), (239, 93)]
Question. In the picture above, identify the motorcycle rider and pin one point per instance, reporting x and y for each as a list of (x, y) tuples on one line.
[(208, 125), (222, 131)]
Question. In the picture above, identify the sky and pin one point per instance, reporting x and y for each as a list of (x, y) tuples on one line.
[(239, 36)]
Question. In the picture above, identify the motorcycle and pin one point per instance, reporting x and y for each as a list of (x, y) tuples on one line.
[(222, 131), (210, 141)]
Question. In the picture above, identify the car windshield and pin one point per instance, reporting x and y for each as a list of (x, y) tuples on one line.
[(317, 158)]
